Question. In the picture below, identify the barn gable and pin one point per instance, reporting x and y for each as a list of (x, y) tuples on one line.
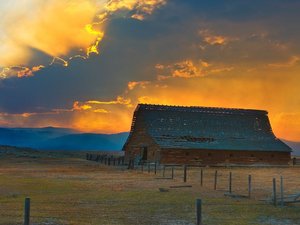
[(177, 127)]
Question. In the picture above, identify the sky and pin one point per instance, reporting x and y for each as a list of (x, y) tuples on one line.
[(86, 64)]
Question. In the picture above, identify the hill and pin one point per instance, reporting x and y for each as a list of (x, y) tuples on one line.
[(87, 141), (51, 138), (295, 146)]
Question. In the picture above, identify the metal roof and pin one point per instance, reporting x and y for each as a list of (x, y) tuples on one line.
[(208, 128)]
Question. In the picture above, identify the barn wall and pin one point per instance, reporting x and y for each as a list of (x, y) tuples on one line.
[(138, 140), (211, 157)]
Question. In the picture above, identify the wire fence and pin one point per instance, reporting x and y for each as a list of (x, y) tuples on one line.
[(84, 208)]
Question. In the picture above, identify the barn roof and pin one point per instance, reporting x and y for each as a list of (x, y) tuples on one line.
[(208, 128)]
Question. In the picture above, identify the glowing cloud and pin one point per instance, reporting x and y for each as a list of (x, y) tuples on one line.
[(291, 62), (213, 39), (185, 69), (52, 27), (142, 8), (57, 28)]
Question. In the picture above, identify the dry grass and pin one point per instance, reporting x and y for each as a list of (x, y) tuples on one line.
[(76, 191)]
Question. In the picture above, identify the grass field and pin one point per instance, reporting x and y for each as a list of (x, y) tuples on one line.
[(65, 189)]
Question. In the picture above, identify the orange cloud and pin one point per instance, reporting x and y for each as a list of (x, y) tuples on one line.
[(78, 106), (119, 101), (187, 69), (184, 69), (53, 27), (291, 62), (20, 71), (213, 39), (58, 27), (142, 7), (132, 84)]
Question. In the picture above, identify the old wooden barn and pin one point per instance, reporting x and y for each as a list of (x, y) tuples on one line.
[(203, 135)]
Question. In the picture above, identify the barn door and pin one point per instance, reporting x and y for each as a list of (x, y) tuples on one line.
[(144, 153)]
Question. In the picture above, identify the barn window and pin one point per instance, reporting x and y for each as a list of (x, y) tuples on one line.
[(231, 155)]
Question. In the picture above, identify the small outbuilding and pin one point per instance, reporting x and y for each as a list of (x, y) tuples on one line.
[(203, 136)]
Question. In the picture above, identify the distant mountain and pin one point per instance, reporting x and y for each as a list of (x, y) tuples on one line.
[(87, 141), (51, 138), (294, 145)]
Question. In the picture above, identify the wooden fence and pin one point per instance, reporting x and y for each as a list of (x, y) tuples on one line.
[(183, 172), (217, 179)]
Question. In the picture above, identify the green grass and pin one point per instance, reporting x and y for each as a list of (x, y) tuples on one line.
[(79, 192)]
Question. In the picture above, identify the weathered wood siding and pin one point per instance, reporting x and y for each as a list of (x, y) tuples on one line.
[(212, 157), (138, 140)]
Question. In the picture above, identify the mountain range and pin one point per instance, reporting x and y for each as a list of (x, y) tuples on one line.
[(294, 145), (52, 138)]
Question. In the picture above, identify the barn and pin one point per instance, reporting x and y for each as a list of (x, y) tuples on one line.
[(203, 136)]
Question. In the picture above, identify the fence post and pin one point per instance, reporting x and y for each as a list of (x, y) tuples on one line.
[(184, 173), (199, 211), (27, 211), (216, 177), (281, 191), (142, 167), (201, 177), (148, 167), (230, 182), (249, 186), (172, 174), (108, 161), (114, 161), (155, 167), (274, 192)]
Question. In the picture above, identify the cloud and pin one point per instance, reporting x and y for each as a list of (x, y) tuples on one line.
[(60, 29), (182, 69), (133, 84), (89, 116), (77, 106), (119, 101), (141, 8), (186, 69), (53, 27), (292, 61), (20, 71), (212, 39)]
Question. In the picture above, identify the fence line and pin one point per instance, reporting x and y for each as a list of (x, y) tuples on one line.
[(218, 178)]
